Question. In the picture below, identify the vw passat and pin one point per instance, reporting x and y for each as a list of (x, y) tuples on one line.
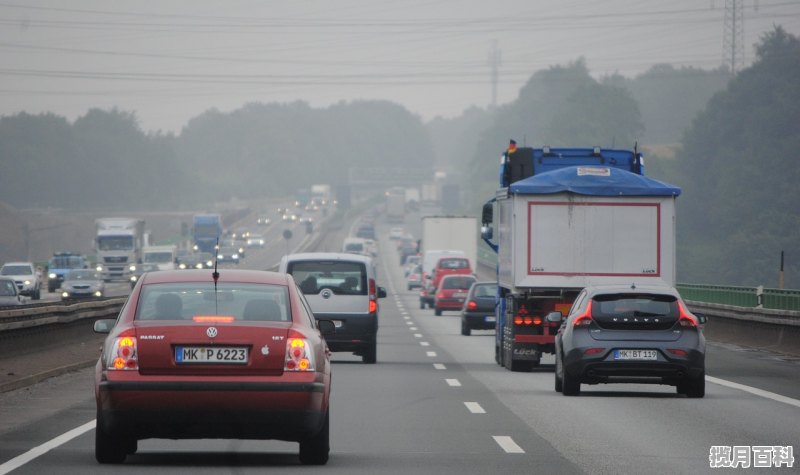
[(195, 354), (640, 334)]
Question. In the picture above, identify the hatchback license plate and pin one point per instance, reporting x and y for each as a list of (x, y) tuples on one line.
[(208, 354), (642, 355), (489, 318)]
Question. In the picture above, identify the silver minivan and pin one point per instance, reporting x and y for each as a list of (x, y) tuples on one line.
[(340, 287)]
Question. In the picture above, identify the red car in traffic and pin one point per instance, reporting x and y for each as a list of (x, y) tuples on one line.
[(192, 356), (452, 292)]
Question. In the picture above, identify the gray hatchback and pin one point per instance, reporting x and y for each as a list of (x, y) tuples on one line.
[(630, 334)]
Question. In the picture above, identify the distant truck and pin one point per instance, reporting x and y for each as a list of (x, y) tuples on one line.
[(412, 198), (429, 193), (450, 233), (395, 205), (564, 219), (60, 264), (206, 232), (321, 194), (118, 244), (164, 257)]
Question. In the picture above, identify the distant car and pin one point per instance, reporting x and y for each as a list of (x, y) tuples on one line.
[(197, 260), (396, 233), (341, 287), (239, 243), (140, 269), (263, 221), (366, 231), (414, 278), (478, 310), (256, 240), (451, 293), (25, 275), (621, 334), (411, 263), (82, 284), (354, 245), (237, 357), (228, 254), (9, 294)]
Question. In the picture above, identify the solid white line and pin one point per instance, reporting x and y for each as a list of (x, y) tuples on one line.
[(756, 391), (507, 443), (432, 354), (475, 408), (439, 366), (424, 343), (453, 383), (28, 456)]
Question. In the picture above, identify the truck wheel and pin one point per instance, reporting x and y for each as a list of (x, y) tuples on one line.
[(570, 386), (465, 329), (437, 312)]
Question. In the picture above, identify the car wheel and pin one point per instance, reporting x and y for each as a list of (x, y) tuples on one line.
[(109, 448), (314, 450), (422, 304), (370, 353), (465, 329), (570, 386), (437, 312), (51, 288), (695, 387), (36, 294), (559, 385)]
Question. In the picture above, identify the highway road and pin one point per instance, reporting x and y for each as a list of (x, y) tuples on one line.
[(436, 402)]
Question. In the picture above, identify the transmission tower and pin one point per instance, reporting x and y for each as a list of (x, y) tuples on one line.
[(733, 35), (494, 64)]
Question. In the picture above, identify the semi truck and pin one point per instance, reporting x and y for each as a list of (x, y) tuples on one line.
[(563, 219), (395, 205), (118, 244), (206, 232)]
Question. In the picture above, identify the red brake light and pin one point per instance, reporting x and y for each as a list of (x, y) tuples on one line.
[(593, 351), (373, 306), (686, 319), (537, 321), (123, 354), (213, 318), (299, 354), (472, 305), (677, 351), (586, 319), (517, 320), (527, 320)]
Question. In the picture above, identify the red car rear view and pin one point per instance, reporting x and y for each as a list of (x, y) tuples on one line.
[(452, 292), (450, 266), (190, 358)]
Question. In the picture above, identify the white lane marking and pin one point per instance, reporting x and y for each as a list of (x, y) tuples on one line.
[(507, 443), (431, 354), (424, 343), (475, 408), (439, 366), (417, 335), (756, 391), (28, 456), (453, 383), (409, 323), (413, 329), (407, 318)]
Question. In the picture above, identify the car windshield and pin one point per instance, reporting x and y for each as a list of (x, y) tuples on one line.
[(342, 277), (192, 300), (83, 275), (16, 270), (7, 288), (458, 282), (66, 262), (115, 243), (162, 257), (454, 264)]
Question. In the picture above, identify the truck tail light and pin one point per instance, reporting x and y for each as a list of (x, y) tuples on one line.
[(527, 320), (299, 354), (123, 355), (686, 319), (585, 319)]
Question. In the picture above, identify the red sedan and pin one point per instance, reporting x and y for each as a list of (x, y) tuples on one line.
[(191, 356)]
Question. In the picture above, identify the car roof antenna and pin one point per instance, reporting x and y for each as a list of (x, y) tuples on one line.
[(215, 276)]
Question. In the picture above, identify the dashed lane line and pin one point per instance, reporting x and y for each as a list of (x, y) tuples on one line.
[(507, 444), (475, 408)]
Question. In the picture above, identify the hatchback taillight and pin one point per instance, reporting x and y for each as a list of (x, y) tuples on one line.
[(123, 354), (686, 319), (472, 305), (585, 319)]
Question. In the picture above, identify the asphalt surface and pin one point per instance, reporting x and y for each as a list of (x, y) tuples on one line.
[(437, 402)]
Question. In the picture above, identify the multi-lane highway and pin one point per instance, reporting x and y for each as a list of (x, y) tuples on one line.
[(436, 402)]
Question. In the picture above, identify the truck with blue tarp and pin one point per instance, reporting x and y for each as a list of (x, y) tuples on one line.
[(563, 219), (206, 232)]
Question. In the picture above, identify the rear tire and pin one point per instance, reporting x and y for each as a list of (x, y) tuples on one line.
[(570, 386), (314, 450), (465, 329), (695, 387), (437, 312), (421, 304), (109, 448), (370, 353), (36, 294), (559, 384)]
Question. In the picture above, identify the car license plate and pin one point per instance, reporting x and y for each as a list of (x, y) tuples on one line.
[(489, 318), (211, 354), (459, 295), (640, 355), (337, 324)]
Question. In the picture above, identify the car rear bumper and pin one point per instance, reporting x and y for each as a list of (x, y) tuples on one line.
[(198, 409), (449, 304), (667, 369), (478, 320), (353, 332)]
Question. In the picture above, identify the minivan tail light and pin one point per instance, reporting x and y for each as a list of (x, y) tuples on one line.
[(373, 306), (373, 292)]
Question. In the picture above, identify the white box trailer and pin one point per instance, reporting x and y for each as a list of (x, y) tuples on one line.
[(458, 233)]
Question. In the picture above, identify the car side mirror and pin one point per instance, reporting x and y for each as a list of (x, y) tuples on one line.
[(554, 317), (104, 326), (326, 327), (701, 318), (381, 293)]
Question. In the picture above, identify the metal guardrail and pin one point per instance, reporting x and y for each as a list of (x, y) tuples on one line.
[(58, 313)]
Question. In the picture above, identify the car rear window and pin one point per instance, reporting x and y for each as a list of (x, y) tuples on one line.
[(342, 277), (485, 290), (454, 264), (458, 282), (635, 311), (185, 301)]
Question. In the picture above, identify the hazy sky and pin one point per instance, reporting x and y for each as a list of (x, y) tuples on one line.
[(169, 60)]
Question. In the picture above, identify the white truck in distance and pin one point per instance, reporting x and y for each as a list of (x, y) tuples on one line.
[(118, 244), (458, 233)]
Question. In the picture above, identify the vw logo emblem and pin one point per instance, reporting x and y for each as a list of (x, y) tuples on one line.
[(211, 332), (326, 293)]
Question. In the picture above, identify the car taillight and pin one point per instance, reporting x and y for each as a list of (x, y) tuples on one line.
[(472, 305), (373, 306), (442, 295), (677, 351), (373, 293), (123, 354), (299, 355), (586, 319), (686, 319), (593, 351)]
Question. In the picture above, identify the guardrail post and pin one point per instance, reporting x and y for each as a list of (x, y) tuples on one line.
[(760, 296)]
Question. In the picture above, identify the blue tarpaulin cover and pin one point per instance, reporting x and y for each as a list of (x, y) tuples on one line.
[(593, 180)]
